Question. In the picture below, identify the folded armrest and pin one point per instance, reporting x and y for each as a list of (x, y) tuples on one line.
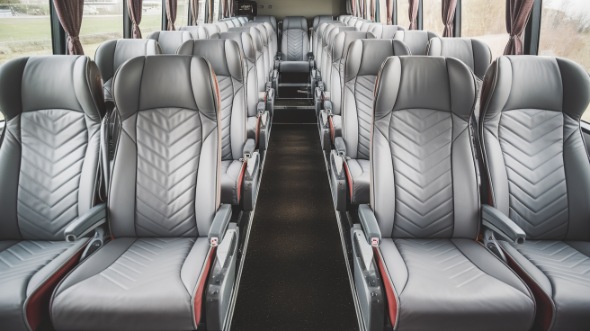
[(93, 218), (500, 224), (340, 146), (220, 223), (370, 225), (249, 147)]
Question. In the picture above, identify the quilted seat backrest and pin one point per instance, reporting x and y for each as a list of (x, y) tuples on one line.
[(327, 64), (165, 179), (361, 66), (169, 41), (294, 42), (416, 40), (533, 144), (423, 177), (474, 53), (52, 106), (260, 59), (197, 32)]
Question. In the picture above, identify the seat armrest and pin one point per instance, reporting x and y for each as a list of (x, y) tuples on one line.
[(500, 224), (370, 225), (90, 220), (220, 223), (340, 146), (249, 147)]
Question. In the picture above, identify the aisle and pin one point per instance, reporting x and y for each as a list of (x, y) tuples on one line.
[(294, 276)]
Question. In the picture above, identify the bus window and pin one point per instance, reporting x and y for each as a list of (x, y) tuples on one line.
[(485, 20), (201, 18), (403, 18), (432, 20), (181, 14), (102, 21), (151, 17), (565, 32), (25, 29)]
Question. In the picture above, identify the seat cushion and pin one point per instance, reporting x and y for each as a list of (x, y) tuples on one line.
[(454, 284), (359, 177), (26, 269), (133, 284), (232, 172), (562, 271)]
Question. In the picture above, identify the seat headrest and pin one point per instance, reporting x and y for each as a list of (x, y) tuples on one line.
[(416, 40), (166, 81), (365, 56), (169, 41), (294, 22), (343, 40), (67, 82), (535, 82), (111, 54), (425, 82), (326, 36), (197, 32), (244, 40), (224, 55), (474, 53)]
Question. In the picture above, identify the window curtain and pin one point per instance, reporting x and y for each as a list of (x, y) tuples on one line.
[(389, 7), (194, 8), (373, 10), (210, 9), (353, 5), (517, 15), (448, 16), (171, 6), (70, 14), (413, 14), (134, 11)]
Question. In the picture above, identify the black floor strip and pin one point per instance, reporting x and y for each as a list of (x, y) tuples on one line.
[(294, 276)]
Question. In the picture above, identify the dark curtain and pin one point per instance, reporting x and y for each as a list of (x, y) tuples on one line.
[(517, 15), (134, 10), (70, 14), (448, 16), (210, 16), (413, 14), (389, 6), (171, 6), (194, 11)]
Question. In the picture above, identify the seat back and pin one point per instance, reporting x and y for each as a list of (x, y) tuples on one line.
[(359, 23), (169, 41), (352, 21), (325, 41), (318, 42), (266, 47), (228, 63), (533, 145), (340, 47), (222, 26), (246, 44), (111, 54), (243, 19), (270, 19), (366, 26), (416, 40), (294, 40), (196, 31), (381, 31), (423, 180), (52, 106), (344, 18), (327, 57), (321, 19), (273, 41), (261, 73), (165, 180), (212, 29), (361, 66), (474, 53)]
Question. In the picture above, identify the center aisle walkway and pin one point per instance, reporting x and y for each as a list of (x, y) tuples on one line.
[(294, 275)]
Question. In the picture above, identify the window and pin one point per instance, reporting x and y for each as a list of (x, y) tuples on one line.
[(565, 32), (216, 10), (201, 18), (25, 29), (102, 21), (431, 16), (485, 20), (403, 19), (382, 12), (182, 14), (151, 17)]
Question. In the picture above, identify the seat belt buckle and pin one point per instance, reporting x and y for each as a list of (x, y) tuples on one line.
[(374, 242)]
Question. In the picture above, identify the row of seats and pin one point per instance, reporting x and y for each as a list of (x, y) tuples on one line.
[(348, 63), (418, 236)]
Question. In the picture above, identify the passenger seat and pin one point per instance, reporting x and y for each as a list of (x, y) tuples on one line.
[(416, 40), (169, 41), (294, 39), (270, 19)]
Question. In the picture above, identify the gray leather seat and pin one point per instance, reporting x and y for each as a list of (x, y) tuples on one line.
[(318, 20), (344, 18), (243, 19), (539, 177), (327, 54), (352, 21), (381, 31), (222, 26), (270, 19), (228, 63), (163, 205), (361, 66), (318, 42), (197, 31), (474, 53), (272, 43), (416, 40), (424, 215), (324, 45), (169, 41), (212, 29), (294, 39), (49, 160), (111, 54), (266, 48), (260, 58)]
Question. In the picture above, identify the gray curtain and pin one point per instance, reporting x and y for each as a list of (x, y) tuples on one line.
[(517, 15), (389, 6), (448, 16), (413, 14), (134, 11), (171, 6), (70, 14), (194, 11)]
